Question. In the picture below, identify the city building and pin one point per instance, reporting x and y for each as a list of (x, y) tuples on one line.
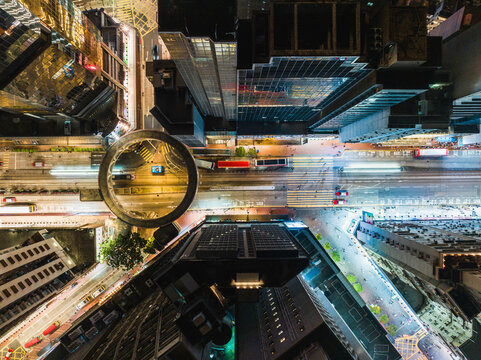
[(31, 274), (248, 73), (440, 258), (225, 278), (52, 80), (120, 55)]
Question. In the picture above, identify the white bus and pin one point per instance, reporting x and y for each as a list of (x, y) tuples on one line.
[(17, 209), (203, 164)]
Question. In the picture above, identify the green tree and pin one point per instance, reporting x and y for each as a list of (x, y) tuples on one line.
[(391, 329), (318, 237), (240, 151), (375, 309), (327, 246), (252, 152), (123, 251), (351, 278), (383, 319), (357, 287), (150, 246), (335, 256)]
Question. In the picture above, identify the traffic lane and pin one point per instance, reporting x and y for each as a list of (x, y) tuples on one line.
[(65, 306)]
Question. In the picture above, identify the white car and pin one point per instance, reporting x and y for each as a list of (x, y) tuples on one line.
[(339, 202), (342, 193)]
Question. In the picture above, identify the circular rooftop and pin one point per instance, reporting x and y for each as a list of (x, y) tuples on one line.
[(148, 178)]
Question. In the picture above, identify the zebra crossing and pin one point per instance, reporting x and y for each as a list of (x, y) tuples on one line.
[(312, 182)]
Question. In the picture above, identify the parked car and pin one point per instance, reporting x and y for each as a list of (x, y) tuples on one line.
[(9, 199), (342, 193), (38, 164), (123, 177), (339, 202), (158, 169)]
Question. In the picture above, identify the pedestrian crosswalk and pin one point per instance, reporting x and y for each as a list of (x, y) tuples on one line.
[(5, 157), (145, 153), (311, 182)]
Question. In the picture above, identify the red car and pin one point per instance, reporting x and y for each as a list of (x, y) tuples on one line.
[(9, 199), (9, 353)]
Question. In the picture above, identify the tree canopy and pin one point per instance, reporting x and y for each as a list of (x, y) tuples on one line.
[(240, 151), (335, 256), (252, 152), (123, 251), (383, 319)]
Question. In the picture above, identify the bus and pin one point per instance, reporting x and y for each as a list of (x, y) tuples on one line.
[(203, 164), (17, 209), (234, 164), (32, 342), (271, 162), (211, 152), (430, 152), (51, 328)]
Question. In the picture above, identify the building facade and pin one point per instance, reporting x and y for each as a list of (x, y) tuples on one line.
[(31, 273)]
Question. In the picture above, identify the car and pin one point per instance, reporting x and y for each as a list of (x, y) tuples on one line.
[(158, 169), (9, 199), (38, 164), (84, 302), (339, 202), (9, 354), (123, 177), (67, 128), (342, 193), (99, 291), (74, 284)]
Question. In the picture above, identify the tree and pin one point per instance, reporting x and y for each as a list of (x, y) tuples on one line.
[(319, 237), (252, 152), (327, 246), (391, 329), (123, 251), (383, 319), (150, 247), (240, 151), (375, 309), (357, 287), (351, 278), (335, 256)]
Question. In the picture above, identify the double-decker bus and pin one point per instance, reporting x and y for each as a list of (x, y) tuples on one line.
[(430, 152), (271, 162), (234, 164)]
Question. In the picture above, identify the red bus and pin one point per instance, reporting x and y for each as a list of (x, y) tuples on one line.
[(233, 164), (32, 342), (51, 328)]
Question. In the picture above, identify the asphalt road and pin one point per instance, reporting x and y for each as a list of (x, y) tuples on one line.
[(310, 181)]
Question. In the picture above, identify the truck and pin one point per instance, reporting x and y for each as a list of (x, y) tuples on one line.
[(430, 152), (203, 164), (17, 209)]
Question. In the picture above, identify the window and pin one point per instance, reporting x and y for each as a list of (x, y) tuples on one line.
[(28, 282), (20, 284), (10, 260), (51, 269), (1, 299), (41, 248), (18, 257), (34, 278), (47, 247), (25, 256), (30, 252), (45, 271), (14, 289), (40, 275), (6, 292), (3, 262), (36, 251)]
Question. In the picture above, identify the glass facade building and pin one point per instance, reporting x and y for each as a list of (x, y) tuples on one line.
[(294, 88)]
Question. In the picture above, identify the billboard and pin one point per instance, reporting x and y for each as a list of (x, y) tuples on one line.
[(368, 217)]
